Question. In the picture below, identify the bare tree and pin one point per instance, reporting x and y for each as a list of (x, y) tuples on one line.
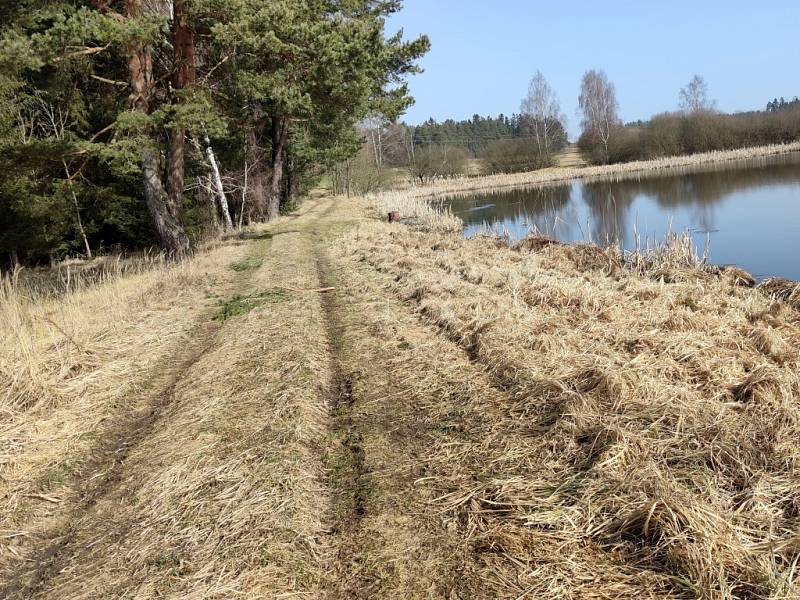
[(541, 105), (375, 123), (598, 103), (53, 122), (694, 96)]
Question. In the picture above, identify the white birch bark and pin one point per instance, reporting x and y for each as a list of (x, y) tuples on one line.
[(217, 180)]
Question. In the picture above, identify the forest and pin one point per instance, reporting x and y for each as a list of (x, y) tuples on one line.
[(133, 123)]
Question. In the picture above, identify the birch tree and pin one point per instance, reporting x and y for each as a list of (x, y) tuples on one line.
[(598, 103), (542, 107), (693, 97)]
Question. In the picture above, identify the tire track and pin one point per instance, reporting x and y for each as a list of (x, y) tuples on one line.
[(104, 470)]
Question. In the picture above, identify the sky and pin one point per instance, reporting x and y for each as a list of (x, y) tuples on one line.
[(484, 53)]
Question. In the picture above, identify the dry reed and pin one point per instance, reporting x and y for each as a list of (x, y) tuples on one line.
[(644, 168), (638, 416)]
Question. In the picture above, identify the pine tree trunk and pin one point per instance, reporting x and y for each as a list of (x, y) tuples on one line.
[(176, 160), (279, 130), (172, 236), (292, 181), (140, 68), (185, 77), (257, 194)]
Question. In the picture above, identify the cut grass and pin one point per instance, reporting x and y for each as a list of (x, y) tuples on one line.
[(75, 359), (240, 305), (213, 485), (538, 421), (643, 441)]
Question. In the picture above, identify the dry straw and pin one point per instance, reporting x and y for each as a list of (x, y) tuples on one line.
[(644, 168), (639, 429)]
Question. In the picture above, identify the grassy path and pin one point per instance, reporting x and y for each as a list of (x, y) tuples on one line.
[(279, 449), (356, 410)]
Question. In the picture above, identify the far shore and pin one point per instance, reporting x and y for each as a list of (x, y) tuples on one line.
[(447, 187)]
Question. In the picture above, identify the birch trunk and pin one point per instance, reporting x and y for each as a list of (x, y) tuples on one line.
[(77, 210), (217, 179)]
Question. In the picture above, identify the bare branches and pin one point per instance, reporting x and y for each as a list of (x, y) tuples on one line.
[(694, 98), (542, 107), (598, 102), (87, 51)]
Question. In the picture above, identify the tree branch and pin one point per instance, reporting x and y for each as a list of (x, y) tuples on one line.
[(81, 52), (110, 81)]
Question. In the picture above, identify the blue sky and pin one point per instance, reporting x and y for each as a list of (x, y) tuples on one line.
[(484, 53)]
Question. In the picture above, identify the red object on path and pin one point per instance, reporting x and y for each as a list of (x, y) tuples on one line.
[(394, 216)]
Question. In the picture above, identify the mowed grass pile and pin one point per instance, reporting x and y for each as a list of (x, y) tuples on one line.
[(644, 443)]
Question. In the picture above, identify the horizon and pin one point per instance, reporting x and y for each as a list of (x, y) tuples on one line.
[(490, 78)]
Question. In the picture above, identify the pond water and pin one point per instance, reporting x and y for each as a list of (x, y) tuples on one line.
[(746, 213)]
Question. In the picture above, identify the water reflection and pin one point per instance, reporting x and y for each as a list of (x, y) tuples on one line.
[(749, 210)]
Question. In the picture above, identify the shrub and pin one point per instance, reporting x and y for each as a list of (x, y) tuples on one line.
[(433, 162), (514, 156), (673, 134)]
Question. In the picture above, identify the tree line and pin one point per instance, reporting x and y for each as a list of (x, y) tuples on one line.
[(131, 122), (695, 127), (523, 141), (532, 138), (776, 105)]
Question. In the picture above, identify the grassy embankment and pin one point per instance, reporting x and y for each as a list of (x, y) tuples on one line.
[(571, 169), (456, 418), (639, 413)]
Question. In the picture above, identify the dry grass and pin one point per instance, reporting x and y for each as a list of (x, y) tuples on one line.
[(152, 451), (72, 363), (638, 425), (430, 215), (459, 418), (449, 187)]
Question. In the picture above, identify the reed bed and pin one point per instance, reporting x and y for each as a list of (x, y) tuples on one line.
[(645, 168), (431, 215), (639, 415)]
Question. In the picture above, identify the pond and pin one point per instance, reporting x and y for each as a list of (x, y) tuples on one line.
[(745, 213)]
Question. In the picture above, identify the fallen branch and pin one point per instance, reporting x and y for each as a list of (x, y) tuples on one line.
[(81, 52), (318, 290)]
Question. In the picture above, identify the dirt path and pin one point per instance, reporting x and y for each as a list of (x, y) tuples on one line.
[(299, 447)]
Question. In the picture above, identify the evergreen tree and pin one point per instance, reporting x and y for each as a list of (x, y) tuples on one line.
[(99, 98)]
